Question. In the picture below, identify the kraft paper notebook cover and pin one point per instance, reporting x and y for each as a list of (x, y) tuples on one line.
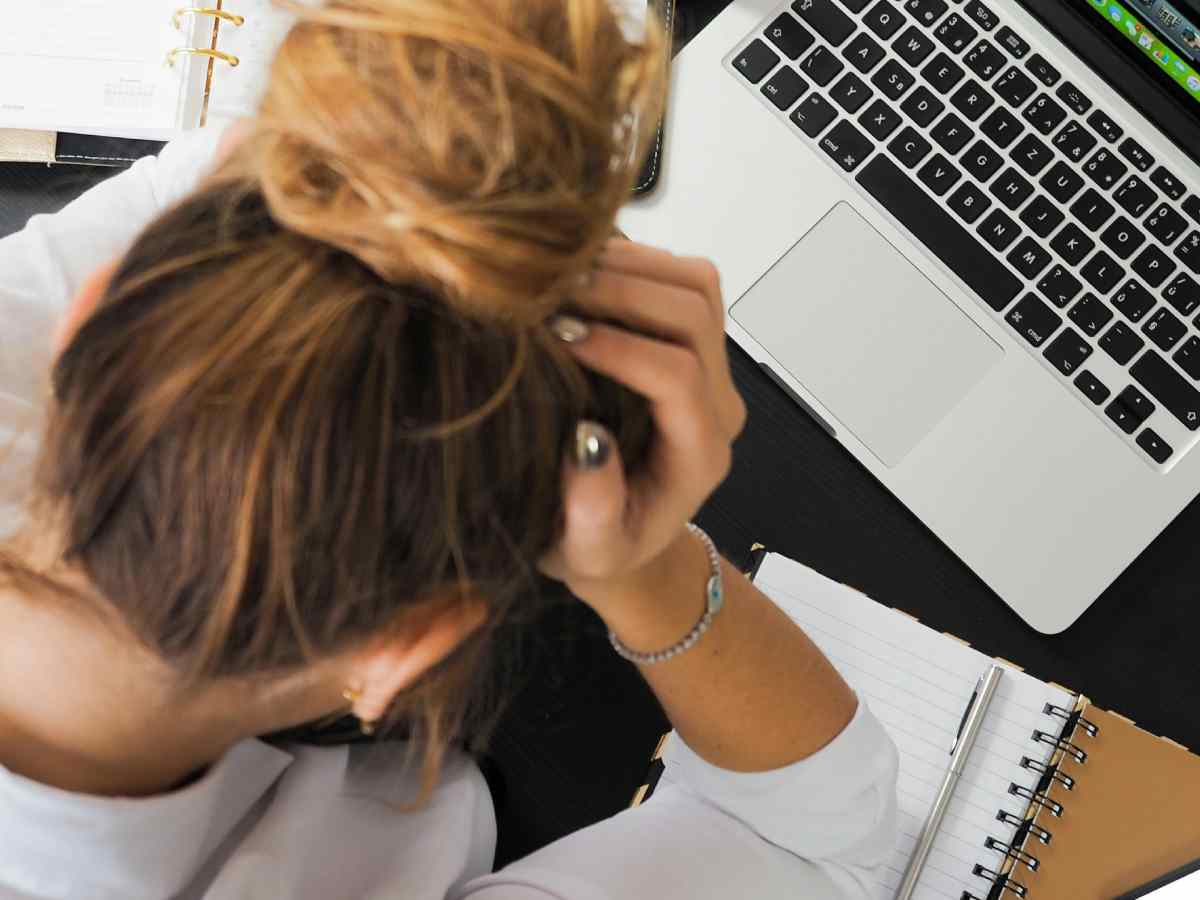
[(1060, 800)]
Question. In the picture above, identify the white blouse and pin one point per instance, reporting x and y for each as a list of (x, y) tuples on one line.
[(328, 823)]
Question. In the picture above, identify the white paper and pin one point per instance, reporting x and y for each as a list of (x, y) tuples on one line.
[(918, 683)]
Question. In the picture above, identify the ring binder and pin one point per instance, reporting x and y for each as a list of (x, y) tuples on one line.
[(1072, 718), (1001, 882), (224, 15), (1049, 773), (1051, 806), (1025, 827), (229, 58), (1062, 744), (1013, 852)]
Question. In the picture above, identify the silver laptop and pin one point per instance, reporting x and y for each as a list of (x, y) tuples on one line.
[(967, 255)]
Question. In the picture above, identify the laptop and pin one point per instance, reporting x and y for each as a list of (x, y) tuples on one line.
[(965, 236)]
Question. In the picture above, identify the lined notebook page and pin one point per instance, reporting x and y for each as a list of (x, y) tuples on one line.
[(918, 683)]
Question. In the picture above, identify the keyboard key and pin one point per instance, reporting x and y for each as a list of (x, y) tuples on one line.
[(755, 61), (1137, 403), (813, 115), (1104, 168), (1122, 237), (1031, 154), (1059, 286), (1153, 265), (884, 19), (789, 36), (893, 80), (864, 54), (934, 227), (1041, 216), (1042, 70), (1075, 99), (985, 60), (1188, 357), (1188, 252), (1122, 416), (909, 147), (784, 87), (1183, 294), (1044, 113), (1028, 258), (1133, 301), (846, 145), (942, 72), (926, 11), (1167, 386), (1165, 224), (1012, 42), (1136, 154), (998, 230), (952, 133), (1105, 126), (1014, 86), (1121, 343), (972, 100), (1102, 272), (1033, 320), (822, 66), (1062, 182), (1011, 189), (982, 161), (1166, 182), (1158, 449), (955, 32), (1191, 206), (1090, 314), (1068, 351), (855, 6), (922, 106), (1074, 141), (1164, 328), (913, 46), (938, 174), (1092, 210), (969, 202), (1002, 127), (981, 15), (1093, 388), (850, 93), (1134, 196), (1072, 244), (880, 120), (826, 19)]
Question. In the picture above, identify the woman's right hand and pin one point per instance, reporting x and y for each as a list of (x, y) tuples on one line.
[(673, 353)]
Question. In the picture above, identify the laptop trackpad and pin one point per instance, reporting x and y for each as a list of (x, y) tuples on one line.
[(866, 333)]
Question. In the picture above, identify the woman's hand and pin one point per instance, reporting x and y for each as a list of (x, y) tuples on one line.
[(672, 353)]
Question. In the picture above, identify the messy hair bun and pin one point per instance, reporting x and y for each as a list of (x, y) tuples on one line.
[(483, 156)]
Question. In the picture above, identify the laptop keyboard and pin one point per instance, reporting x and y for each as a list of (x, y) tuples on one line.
[(1007, 172)]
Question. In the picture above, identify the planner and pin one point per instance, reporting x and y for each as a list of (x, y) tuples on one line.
[(144, 69), (1060, 800)]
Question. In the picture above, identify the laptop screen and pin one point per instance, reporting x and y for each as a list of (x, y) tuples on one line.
[(1165, 33)]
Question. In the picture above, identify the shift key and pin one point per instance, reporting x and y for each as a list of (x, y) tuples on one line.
[(829, 21), (1170, 388)]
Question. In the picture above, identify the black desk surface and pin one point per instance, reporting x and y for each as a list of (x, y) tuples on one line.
[(574, 746)]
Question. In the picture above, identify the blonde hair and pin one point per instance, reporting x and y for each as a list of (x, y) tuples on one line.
[(319, 392)]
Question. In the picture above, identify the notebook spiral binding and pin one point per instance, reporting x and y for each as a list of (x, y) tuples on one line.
[(1026, 828), (213, 54)]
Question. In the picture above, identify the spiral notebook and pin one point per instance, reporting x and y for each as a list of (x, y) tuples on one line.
[(1059, 800)]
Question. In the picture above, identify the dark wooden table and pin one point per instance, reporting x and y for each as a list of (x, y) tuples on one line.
[(575, 742)]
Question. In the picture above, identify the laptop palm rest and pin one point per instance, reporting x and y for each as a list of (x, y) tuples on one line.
[(873, 339)]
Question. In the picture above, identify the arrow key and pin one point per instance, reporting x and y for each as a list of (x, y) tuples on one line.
[(1159, 450)]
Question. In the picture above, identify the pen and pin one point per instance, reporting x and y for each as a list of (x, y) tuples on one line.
[(968, 730)]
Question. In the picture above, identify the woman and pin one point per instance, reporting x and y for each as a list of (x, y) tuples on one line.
[(302, 455)]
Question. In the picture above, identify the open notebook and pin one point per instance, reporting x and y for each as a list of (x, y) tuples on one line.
[(1045, 809)]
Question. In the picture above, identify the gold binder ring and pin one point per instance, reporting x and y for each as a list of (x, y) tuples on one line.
[(177, 19), (195, 51)]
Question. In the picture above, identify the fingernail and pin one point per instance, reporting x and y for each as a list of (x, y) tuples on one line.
[(592, 445), (569, 329)]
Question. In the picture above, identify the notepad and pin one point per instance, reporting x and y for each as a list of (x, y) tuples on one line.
[(918, 683)]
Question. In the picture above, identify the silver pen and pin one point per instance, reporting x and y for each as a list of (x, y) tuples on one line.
[(968, 730)]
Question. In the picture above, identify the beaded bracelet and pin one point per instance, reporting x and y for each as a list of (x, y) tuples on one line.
[(715, 596)]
